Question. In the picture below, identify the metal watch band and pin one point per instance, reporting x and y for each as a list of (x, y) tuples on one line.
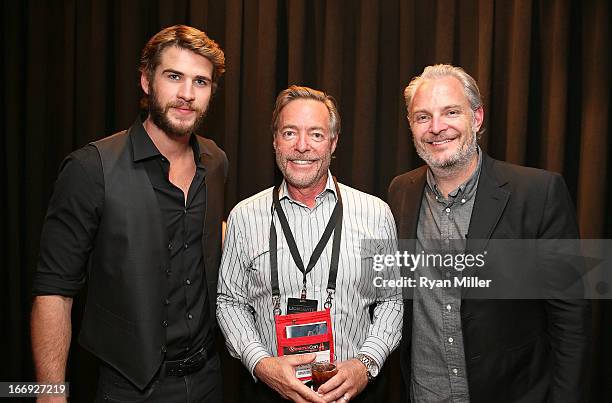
[(369, 364)]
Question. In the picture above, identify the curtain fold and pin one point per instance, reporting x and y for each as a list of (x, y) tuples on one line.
[(595, 119)]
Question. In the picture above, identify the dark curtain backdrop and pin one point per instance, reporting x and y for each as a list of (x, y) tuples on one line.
[(69, 76)]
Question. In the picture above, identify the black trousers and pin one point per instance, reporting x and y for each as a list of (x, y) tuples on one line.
[(201, 386)]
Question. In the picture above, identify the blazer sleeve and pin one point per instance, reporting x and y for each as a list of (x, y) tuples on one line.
[(569, 321)]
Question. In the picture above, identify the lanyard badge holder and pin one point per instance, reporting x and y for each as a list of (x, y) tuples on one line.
[(304, 329)]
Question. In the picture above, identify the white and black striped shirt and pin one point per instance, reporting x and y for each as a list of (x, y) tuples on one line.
[(244, 301)]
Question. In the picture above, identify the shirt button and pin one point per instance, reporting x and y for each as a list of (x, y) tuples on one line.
[(163, 348), (189, 316), (447, 210), (186, 245), (188, 282), (170, 246), (462, 200), (185, 211), (166, 302), (450, 339), (455, 371), (449, 307), (165, 323)]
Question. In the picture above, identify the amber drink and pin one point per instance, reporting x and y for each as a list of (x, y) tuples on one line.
[(321, 372)]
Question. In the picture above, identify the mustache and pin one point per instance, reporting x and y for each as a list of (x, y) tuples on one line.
[(181, 104), (437, 138), (294, 157)]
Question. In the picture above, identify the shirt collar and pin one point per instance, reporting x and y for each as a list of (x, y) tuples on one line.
[(144, 148), (329, 188), (466, 189)]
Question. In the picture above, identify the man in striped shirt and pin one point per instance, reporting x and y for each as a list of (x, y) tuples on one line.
[(366, 319)]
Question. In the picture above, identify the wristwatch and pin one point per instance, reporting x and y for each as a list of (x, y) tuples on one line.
[(370, 364)]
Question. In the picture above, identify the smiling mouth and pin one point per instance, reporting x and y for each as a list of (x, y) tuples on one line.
[(438, 143), (303, 162), (184, 110)]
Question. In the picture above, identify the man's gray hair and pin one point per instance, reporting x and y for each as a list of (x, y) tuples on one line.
[(296, 92), (470, 87)]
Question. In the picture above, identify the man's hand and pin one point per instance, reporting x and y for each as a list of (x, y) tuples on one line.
[(279, 374), (351, 380)]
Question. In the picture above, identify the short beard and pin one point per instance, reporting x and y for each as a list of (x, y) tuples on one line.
[(456, 162), (159, 116)]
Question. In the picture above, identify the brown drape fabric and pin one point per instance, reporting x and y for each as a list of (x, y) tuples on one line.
[(69, 76)]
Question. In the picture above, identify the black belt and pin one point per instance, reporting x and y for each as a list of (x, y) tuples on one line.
[(188, 365)]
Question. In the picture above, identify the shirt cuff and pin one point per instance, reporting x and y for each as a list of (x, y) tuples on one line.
[(253, 353), (45, 283), (373, 347)]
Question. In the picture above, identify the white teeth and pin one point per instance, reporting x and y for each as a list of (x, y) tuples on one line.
[(302, 162), (436, 143)]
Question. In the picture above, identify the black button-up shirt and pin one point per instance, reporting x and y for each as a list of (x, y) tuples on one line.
[(71, 223)]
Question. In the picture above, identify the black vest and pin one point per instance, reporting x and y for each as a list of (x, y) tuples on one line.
[(126, 284)]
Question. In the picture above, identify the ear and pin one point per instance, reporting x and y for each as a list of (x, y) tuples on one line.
[(409, 123), (478, 118), (144, 82), (334, 143)]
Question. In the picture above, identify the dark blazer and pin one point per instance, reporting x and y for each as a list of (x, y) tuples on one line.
[(515, 350), (122, 323)]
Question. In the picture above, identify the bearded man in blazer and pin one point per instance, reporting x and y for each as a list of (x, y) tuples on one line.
[(481, 350)]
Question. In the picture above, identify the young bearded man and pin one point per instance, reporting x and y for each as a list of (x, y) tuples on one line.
[(137, 216)]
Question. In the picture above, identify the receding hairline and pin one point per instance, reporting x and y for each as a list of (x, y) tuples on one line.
[(470, 86), (429, 80)]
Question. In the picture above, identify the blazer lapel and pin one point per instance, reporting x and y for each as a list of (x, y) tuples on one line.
[(490, 202), (412, 204), (407, 217)]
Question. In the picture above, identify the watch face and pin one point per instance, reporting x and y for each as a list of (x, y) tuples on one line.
[(373, 370)]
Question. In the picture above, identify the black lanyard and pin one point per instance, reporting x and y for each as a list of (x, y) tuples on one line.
[(334, 224)]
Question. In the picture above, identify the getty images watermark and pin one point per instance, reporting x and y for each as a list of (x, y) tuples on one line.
[(492, 268), (444, 263)]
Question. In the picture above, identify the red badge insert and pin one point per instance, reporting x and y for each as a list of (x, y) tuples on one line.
[(303, 333)]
